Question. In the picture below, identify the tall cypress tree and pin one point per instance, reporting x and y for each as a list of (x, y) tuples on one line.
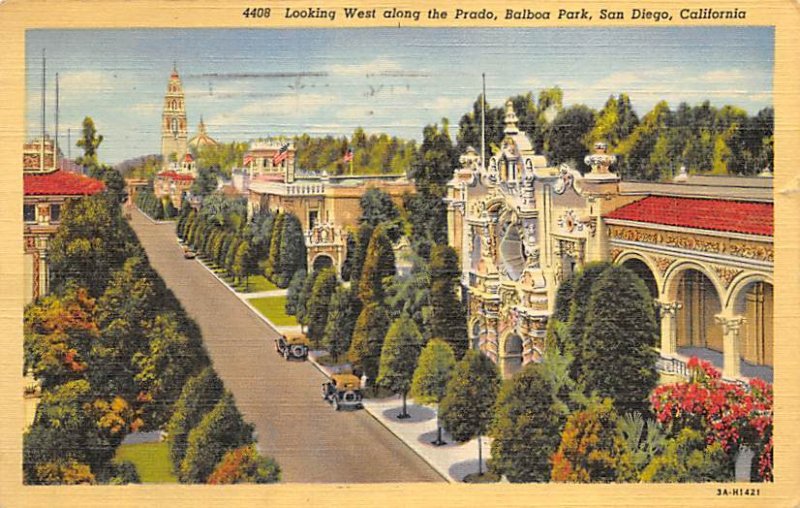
[(448, 314), (319, 304), (578, 314), (292, 251), (617, 349), (368, 336), (378, 265), (273, 266)]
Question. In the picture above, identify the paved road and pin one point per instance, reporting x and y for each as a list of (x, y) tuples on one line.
[(310, 441)]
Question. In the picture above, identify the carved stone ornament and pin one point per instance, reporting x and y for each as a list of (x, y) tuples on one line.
[(569, 222), (726, 274), (565, 179), (662, 263)]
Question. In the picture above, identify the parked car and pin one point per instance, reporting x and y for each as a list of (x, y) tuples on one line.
[(343, 391), (292, 347), (189, 254)]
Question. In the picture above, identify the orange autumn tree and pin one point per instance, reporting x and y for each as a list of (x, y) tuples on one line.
[(245, 465), (592, 447), (59, 335)]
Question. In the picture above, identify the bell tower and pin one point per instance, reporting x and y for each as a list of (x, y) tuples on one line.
[(173, 122)]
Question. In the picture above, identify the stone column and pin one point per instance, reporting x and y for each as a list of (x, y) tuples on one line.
[(669, 329), (731, 356)]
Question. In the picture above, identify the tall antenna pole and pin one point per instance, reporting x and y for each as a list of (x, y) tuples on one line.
[(483, 122), (55, 143), (44, 102)]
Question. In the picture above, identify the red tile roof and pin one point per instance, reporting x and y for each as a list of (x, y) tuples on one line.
[(746, 217), (60, 183), (172, 175)]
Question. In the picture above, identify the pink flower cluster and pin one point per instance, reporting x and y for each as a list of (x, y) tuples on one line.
[(728, 413)]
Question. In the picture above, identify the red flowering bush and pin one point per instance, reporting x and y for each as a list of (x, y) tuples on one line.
[(727, 413)]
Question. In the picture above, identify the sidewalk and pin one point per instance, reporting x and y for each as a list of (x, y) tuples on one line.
[(264, 294), (453, 461)]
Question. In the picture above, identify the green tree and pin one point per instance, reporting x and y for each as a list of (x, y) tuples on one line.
[(198, 396), (356, 264), (205, 183), (241, 261), (342, 315), (319, 304), (88, 245), (615, 122), (294, 291), (399, 358), (292, 250), (434, 368), (448, 314), (221, 429), (567, 136), (618, 356), (171, 358), (467, 407), (579, 313), (526, 426), (368, 336), (245, 465), (379, 265), (89, 142), (273, 266), (687, 458), (124, 314), (301, 309), (377, 209)]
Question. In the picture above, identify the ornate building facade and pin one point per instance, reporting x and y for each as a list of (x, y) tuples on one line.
[(46, 189), (703, 246), (328, 207)]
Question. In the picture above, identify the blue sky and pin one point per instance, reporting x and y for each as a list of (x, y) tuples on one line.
[(259, 83)]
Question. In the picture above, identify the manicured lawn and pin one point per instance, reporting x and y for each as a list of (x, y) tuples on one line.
[(258, 283), (272, 308), (151, 461), (255, 284)]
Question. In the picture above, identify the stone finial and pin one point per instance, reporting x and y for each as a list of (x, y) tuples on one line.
[(511, 119), (682, 175), (600, 160), (470, 159)]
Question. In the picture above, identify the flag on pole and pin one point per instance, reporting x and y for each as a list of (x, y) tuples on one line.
[(280, 155), (348, 156)]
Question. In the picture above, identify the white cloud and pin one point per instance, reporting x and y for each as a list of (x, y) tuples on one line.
[(293, 106)]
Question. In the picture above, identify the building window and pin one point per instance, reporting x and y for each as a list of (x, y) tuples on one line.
[(29, 213), (55, 213)]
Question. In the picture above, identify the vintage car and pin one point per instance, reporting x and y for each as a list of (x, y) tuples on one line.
[(292, 347), (343, 391), (189, 254)]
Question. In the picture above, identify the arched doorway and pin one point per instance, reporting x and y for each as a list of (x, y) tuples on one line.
[(512, 355), (696, 319), (321, 262), (754, 301), (641, 269)]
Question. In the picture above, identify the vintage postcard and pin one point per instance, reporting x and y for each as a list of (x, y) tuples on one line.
[(371, 254)]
